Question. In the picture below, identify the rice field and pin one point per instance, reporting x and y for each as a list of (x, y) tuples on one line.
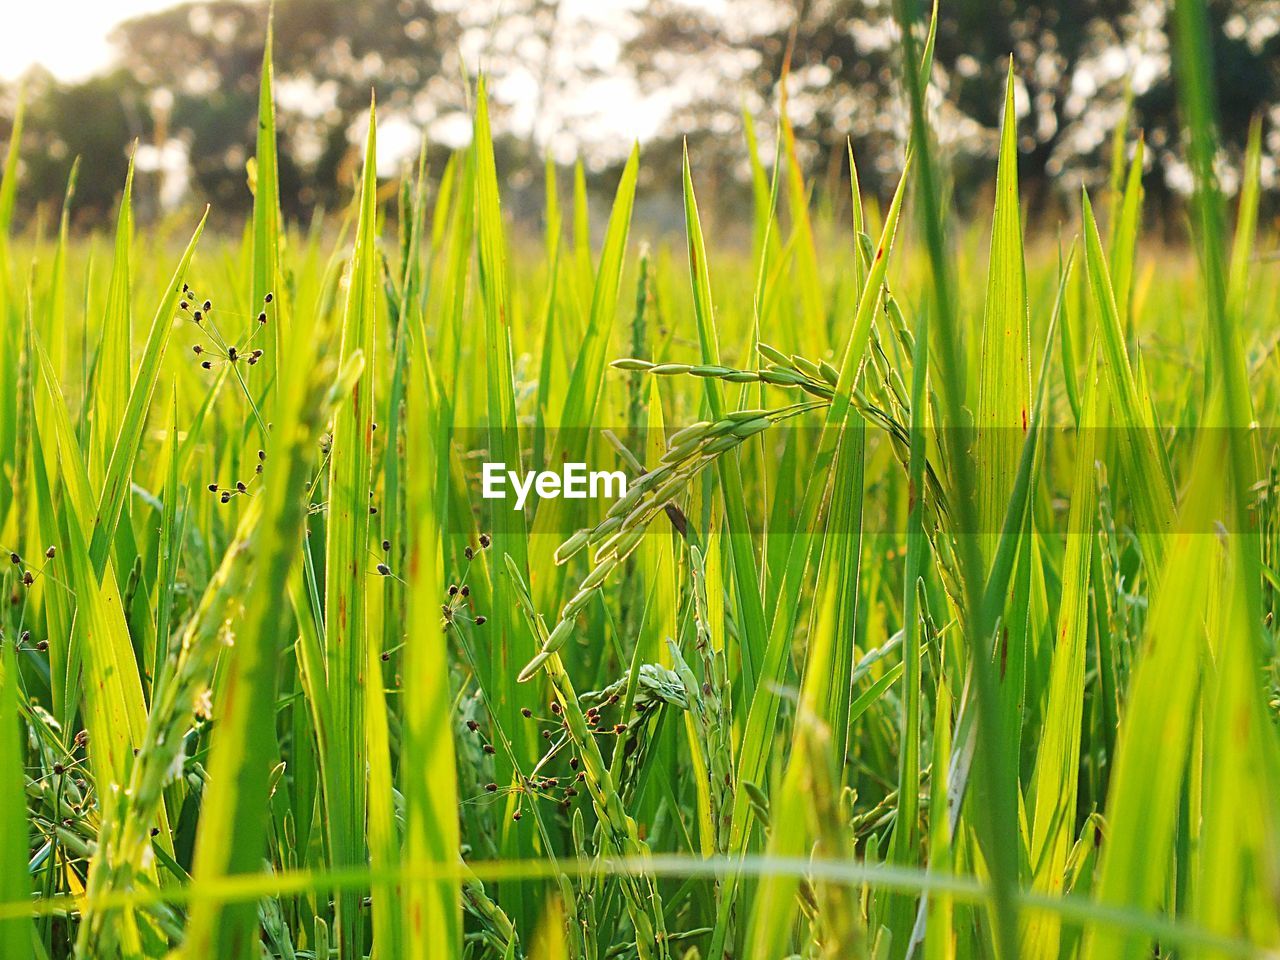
[(936, 619)]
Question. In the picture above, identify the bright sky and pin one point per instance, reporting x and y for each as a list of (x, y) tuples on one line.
[(68, 37)]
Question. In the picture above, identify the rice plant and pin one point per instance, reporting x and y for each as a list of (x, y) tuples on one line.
[(936, 619)]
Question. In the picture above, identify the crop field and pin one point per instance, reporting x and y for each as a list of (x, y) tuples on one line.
[(936, 619)]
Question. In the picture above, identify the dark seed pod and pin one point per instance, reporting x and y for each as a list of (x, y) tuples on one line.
[(468, 553), (262, 317), (267, 298), (14, 559), (240, 486), (386, 545), (386, 655), (480, 621), (526, 712), (207, 365), (197, 349), (226, 497), (208, 305), (489, 749), (42, 646), (466, 591), (453, 589), (50, 553), (28, 578), (383, 569), (232, 355), (472, 726), (213, 488), (491, 787), (485, 541)]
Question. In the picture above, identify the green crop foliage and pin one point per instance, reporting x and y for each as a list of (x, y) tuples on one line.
[(937, 620)]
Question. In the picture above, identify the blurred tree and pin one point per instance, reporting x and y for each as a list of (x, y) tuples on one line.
[(328, 55), (1074, 59), (418, 56), (98, 119), (567, 79)]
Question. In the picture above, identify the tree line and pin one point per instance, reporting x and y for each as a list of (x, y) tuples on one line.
[(185, 79)]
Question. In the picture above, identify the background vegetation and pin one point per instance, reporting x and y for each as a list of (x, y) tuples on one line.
[(939, 622), (565, 76)]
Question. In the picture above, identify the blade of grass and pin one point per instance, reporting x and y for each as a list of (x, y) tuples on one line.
[(1124, 241), (1156, 730), (432, 915), (113, 376), (745, 572), (511, 640), (995, 810), (1054, 791), (17, 932), (347, 562), (266, 209)]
